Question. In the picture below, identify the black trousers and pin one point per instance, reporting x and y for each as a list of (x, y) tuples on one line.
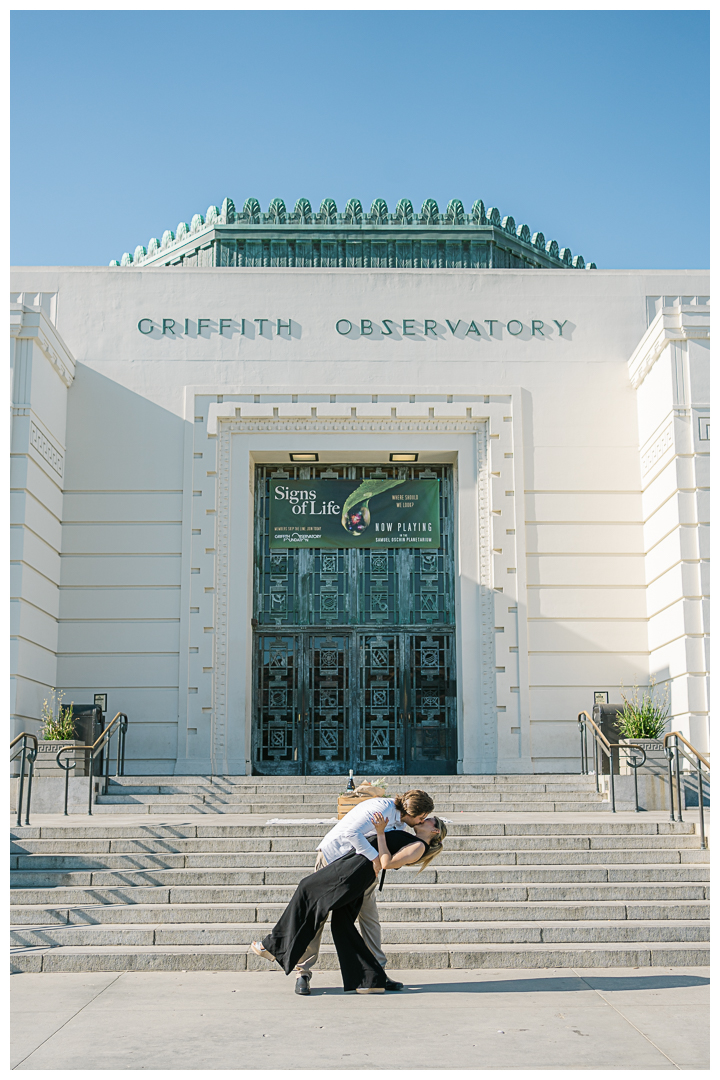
[(338, 889)]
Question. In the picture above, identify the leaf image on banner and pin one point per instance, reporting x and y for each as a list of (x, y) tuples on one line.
[(356, 521)]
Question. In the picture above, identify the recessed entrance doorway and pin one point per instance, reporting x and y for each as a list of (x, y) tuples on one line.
[(354, 649)]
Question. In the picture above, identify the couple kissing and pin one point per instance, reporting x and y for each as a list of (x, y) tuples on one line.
[(375, 836)]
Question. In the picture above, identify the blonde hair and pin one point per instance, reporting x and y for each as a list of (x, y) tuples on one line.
[(414, 802), (435, 846)]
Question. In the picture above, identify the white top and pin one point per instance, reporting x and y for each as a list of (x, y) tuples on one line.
[(351, 832)]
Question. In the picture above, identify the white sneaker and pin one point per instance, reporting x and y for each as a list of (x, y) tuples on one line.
[(257, 948), (370, 990)]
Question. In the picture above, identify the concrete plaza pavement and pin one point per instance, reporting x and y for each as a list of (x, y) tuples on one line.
[(618, 1018)]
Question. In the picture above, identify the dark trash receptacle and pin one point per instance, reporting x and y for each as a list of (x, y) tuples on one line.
[(605, 717), (89, 724)]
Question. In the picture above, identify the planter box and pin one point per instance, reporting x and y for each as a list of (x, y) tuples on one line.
[(655, 760), (46, 763)]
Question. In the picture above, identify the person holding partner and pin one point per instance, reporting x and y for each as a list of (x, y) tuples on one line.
[(352, 833), (341, 885)]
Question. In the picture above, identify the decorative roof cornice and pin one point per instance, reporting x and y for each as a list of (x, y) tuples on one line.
[(329, 223), (32, 322), (670, 324)]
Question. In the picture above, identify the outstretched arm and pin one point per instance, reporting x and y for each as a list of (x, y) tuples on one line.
[(357, 822)]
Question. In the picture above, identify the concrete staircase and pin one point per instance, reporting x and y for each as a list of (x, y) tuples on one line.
[(514, 891), (307, 796)]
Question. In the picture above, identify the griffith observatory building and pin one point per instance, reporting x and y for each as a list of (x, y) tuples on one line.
[(304, 491)]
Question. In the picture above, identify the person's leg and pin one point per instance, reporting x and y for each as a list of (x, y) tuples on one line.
[(369, 922), (360, 969), (342, 882), (309, 957), (299, 924)]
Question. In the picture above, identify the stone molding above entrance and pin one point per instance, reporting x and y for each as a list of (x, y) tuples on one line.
[(494, 730)]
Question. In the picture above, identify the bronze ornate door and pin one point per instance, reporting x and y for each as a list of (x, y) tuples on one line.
[(354, 651)]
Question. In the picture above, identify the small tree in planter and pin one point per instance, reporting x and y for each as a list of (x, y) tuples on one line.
[(644, 717), (57, 718)]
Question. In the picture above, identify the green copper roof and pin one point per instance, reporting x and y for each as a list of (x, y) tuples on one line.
[(226, 236)]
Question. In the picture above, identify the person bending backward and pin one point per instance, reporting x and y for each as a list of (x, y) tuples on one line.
[(353, 834), (340, 888)]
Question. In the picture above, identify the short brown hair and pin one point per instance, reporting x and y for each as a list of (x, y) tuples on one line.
[(414, 802)]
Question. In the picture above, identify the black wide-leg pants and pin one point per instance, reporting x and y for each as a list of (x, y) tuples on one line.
[(338, 888)]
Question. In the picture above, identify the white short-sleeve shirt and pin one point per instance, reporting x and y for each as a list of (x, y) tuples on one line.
[(352, 832)]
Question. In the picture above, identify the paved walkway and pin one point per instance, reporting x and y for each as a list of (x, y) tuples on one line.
[(641, 1018)]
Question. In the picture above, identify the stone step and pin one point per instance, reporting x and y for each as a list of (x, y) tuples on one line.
[(622, 891), (447, 875), (292, 800), (305, 860), (183, 809), (416, 933), (292, 794), (94, 913), (467, 956), (299, 846), (335, 780), (288, 804), (548, 826)]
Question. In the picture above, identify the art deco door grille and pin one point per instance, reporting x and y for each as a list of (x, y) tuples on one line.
[(354, 651)]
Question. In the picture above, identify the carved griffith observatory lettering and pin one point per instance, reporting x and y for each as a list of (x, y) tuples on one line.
[(460, 328), (46, 449), (265, 327), (225, 327)]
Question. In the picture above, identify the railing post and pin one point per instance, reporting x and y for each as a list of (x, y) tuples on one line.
[(123, 730), (703, 842), (67, 765), (90, 787), (121, 735), (669, 756), (612, 784), (582, 756), (677, 780), (107, 766), (32, 755), (21, 785)]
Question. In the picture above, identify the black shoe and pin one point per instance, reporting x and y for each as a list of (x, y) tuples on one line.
[(390, 984), (302, 986)]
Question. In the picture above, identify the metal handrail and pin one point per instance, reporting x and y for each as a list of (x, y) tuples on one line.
[(599, 739), (635, 756), (29, 753), (117, 726), (676, 735), (675, 752)]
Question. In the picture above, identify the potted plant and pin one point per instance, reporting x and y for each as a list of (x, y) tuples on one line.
[(642, 722), (58, 731)]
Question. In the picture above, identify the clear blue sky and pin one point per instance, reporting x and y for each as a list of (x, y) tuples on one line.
[(591, 127)]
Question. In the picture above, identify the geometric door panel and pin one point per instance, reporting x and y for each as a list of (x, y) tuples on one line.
[(432, 695), (276, 689)]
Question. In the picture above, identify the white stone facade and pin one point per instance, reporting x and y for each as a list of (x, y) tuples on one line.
[(580, 449)]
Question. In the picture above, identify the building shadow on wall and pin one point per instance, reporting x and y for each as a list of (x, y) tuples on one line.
[(123, 490)]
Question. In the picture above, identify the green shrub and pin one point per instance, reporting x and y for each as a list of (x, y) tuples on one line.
[(57, 718), (646, 716)]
